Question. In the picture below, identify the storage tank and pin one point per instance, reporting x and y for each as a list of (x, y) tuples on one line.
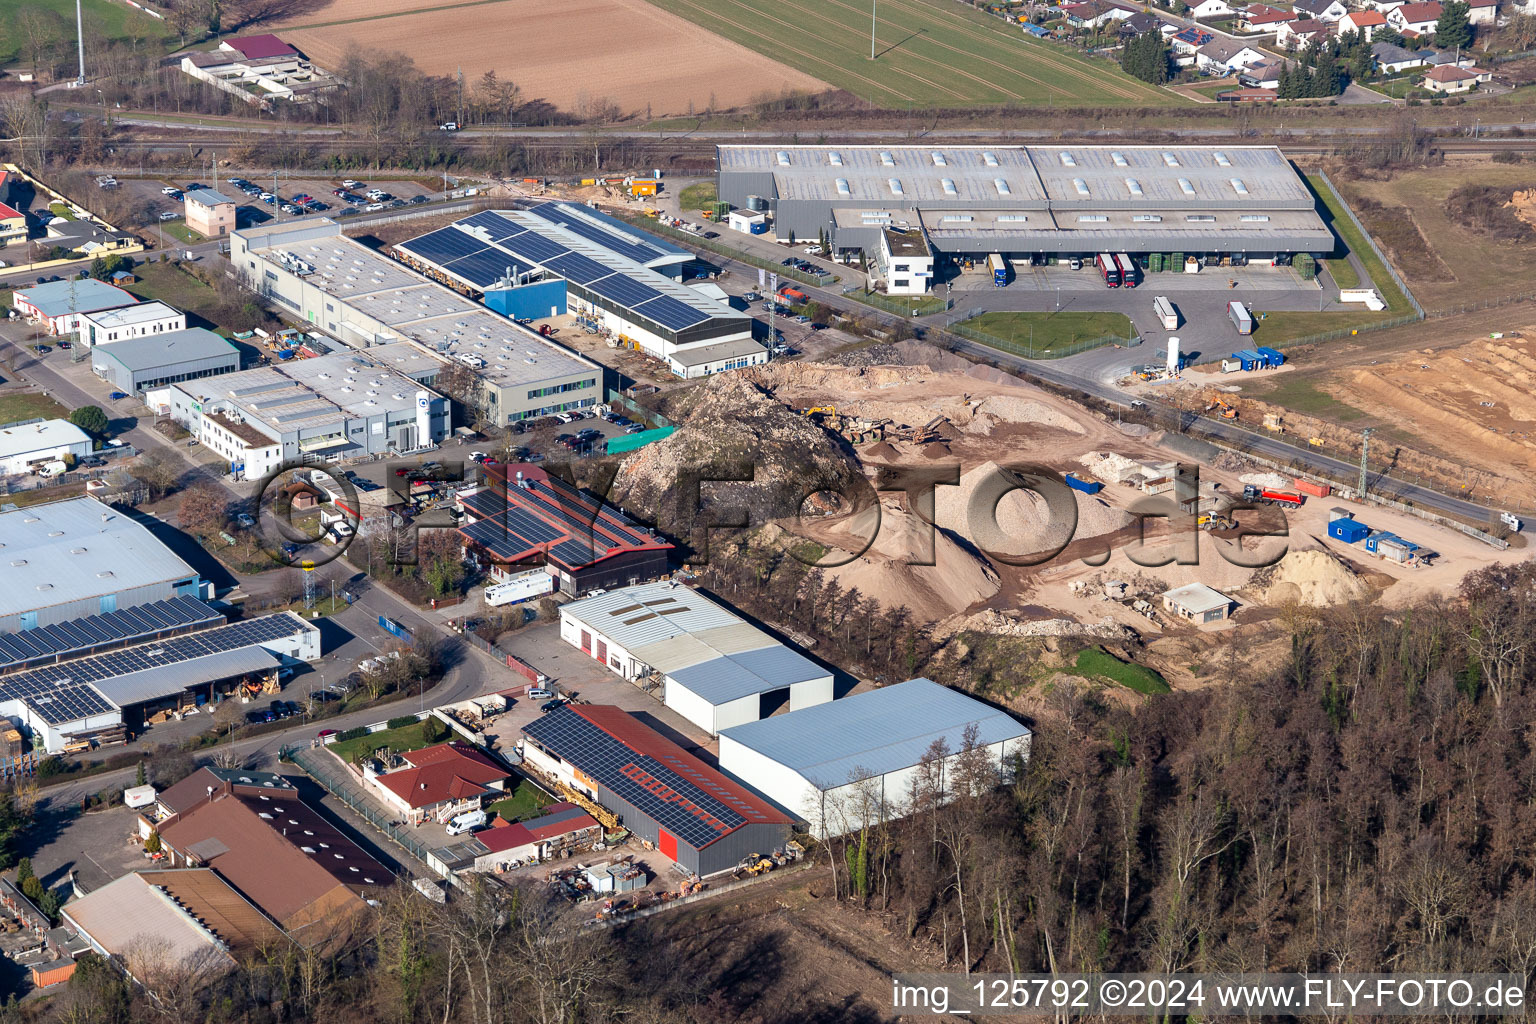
[(757, 204), (1173, 356)]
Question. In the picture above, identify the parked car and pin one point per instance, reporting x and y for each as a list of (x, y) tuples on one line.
[(170, 190), (448, 126), (64, 344), (374, 207), (539, 693), (245, 520), (553, 704), (169, 215), (349, 183), (323, 733), (114, 396), (417, 199)]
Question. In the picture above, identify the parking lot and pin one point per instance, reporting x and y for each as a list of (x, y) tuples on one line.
[(96, 845), (167, 206)]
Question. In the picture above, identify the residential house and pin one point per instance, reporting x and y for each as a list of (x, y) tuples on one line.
[(1293, 35), (1095, 14), (1418, 18), (1483, 12), (439, 783), (1210, 9), (1138, 24), (13, 226), (1439, 58), (1221, 56), (1322, 10), (1392, 59), (1186, 43), (209, 212), (1263, 18), (1366, 23), (1262, 76), (1449, 79), (1384, 6)]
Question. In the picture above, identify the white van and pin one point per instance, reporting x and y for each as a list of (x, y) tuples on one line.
[(466, 822)]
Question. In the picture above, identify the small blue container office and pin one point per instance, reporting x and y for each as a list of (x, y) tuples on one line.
[(1348, 530), (1272, 357)]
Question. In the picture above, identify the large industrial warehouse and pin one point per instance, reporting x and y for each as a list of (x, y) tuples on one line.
[(1033, 202), (694, 815), (857, 760), (717, 670), (586, 544), (558, 258), (365, 299)]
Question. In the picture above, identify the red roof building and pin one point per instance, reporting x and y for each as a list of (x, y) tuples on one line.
[(440, 782), (258, 47), (534, 839)]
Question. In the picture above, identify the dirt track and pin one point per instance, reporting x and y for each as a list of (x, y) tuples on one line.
[(577, 54)]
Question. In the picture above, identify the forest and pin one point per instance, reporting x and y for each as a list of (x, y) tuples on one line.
[(1368, 803)]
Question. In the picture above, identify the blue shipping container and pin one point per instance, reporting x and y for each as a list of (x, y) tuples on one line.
[(1348, 530), (1274, 357), (1249, 359), (394, 627), (1086, 486)]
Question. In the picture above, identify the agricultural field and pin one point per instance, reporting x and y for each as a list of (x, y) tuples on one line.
[(104, 19), (929, 53), (585, 56)]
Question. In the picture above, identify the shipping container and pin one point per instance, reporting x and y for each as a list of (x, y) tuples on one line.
[(1083, 484), (1166, 314), (1316, 490), (1231, 365), (1348, 530), (1238, 313), (1272, 356)]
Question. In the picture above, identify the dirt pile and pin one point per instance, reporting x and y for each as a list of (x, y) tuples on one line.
[(1523, 201), (1314, 578), (732, 429), (992, 509), (987, 413), (953, 580), (993, 621), (1107, 465), (1265, 480)]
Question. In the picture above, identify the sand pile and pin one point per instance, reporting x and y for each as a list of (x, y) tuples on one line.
[(1265, 480), (953, 581), (991, 511), (1524, 203), (1013, 409), (1107, 465), (1314, 578)]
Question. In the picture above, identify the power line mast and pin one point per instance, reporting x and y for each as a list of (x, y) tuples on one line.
[(80, 39), (1365, 452)]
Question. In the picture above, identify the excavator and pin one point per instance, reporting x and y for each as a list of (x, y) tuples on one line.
[(756, 864), (1223, 405), (820, 410)]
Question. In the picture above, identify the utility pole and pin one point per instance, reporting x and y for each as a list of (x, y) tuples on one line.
[(461, 95), (1365, 451), (872, 4), (80, 39)]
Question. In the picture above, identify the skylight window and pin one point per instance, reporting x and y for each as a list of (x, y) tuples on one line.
[(1081, 186), (1170, 160), (1119, 159), (1134, 186), (1187, 188), (1068, 160)]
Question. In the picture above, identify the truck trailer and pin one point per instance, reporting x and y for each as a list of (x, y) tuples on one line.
[(1265, 496), (1166, 314), (1110, 268), (999, 268), (1127, 270), (521, 587), (1240, 317)]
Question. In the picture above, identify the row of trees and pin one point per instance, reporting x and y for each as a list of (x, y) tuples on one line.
[(1146, 57)]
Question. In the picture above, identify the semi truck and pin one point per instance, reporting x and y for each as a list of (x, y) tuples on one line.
[(1265, 496), (1127, 270), (1240, 317), (1110, 268), (999, 268), (1166, 314)]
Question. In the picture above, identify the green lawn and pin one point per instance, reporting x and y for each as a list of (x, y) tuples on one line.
[(14, 407), (904, 305), (1333, 212), (930, 54), (1096, 661), (696, 197), (165, 282), (527, 801), (1343, 273), (1047, 335), (407, 737), (179, 230), (59, 209), (107, 20), (1301, 394), (1280, 328)]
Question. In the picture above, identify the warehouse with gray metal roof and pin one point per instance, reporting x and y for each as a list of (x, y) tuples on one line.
[(1061, 200), (865, 758), (716, 669)]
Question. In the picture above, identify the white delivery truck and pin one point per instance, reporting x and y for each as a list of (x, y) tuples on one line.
[(521, 587), (1166, 314), (466, 822)]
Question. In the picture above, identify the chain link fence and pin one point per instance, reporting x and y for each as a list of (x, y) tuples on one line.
[(324, 769), (917, 305)]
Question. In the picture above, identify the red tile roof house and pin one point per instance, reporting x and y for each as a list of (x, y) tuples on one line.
[(535, 839), (439, 783), (1263, 18)]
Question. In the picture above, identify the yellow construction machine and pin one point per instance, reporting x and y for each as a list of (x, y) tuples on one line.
[(1215, 521)]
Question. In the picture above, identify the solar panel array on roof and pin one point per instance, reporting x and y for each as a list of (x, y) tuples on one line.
[(444, 245), (497, 226), (579, 268), (624, 290), (67, 688), (534, 247), (677, 803), (484, 268), (565, 217), (669, 312), (95, 631)]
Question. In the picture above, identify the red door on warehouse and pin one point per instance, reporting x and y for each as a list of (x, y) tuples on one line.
[(666, 842)]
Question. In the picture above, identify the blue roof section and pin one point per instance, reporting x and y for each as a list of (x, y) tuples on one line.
[(77, 296), (610, 233), (63, 639), (875, 732), (733, 676)]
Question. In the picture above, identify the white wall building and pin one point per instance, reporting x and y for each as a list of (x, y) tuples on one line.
[(865, 758), (25, 446), (717, 670), (130, 322), (905, 262)]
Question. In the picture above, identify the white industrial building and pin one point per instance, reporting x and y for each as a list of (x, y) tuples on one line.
[(67, 559), (126, 322), (63, 305), (28, 445), (865, 758), (716, 669)]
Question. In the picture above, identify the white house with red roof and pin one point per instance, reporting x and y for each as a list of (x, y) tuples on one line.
[(1263, 18), (1367, 23), (13, 226), (1295, 34), (561, 825), (1483, 12), (438, 783), (1419, 19)]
